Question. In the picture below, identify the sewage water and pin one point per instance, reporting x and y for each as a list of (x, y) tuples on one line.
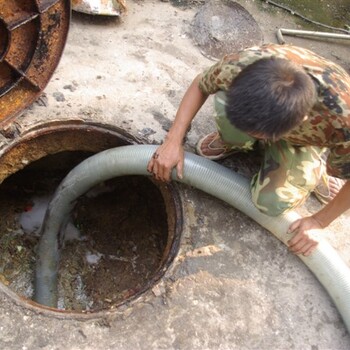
[(117, 235)]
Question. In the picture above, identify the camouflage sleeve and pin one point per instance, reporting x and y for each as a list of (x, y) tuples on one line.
[(220, 75), (338, 161)]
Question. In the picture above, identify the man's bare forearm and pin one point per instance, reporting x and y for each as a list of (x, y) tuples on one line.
[(192, 101), (339, 205)]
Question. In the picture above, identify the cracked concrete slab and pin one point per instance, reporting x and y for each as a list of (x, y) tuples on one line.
[(232, 285)]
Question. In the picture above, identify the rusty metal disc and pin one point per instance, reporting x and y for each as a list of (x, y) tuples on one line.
[(223, 27), (32, 37)]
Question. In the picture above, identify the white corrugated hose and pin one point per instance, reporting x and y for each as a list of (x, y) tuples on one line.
[(215, 179)]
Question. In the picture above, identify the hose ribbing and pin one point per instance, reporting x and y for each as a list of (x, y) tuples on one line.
[(325, 263)]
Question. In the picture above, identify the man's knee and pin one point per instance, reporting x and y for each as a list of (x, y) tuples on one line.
[(273, 205)]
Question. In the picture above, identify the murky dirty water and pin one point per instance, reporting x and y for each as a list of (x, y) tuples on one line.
[(118, 241)]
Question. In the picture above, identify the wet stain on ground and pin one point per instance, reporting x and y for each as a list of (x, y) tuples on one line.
[(334, 13)]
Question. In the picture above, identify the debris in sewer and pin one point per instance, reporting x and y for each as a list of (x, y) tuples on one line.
[(122, 227)]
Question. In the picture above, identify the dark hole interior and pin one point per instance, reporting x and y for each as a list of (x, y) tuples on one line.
[(114, 243)]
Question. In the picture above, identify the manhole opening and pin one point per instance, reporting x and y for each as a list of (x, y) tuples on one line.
[(121, 237)]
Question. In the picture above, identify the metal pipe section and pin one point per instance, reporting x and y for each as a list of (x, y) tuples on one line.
[(206, 175), (297, 32)]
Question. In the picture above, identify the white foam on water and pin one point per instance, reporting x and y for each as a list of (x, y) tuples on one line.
[(32, 219)]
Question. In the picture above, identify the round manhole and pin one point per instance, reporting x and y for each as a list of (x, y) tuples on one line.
[(32, 37), (121, 237)]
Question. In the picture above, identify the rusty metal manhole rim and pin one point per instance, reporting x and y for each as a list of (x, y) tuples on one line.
[(169, 254)]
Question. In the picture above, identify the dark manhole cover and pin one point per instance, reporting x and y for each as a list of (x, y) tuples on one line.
[(223, 27)]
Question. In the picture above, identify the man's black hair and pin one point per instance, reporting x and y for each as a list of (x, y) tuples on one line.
[(270, 97)]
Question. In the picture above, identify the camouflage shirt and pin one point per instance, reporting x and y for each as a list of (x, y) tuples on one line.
[(328, 124)]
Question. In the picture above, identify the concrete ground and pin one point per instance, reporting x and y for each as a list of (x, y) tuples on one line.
[(232, 285)]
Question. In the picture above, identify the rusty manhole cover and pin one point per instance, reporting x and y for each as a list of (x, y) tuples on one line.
[(32, 37), (223, 27)]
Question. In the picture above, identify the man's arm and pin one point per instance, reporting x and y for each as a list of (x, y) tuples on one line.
[(170, 154), (303, 241)]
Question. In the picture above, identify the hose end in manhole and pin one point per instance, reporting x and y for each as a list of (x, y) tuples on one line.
[(120, 238)]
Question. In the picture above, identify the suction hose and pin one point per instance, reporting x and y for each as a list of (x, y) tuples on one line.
[(199, 172)]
